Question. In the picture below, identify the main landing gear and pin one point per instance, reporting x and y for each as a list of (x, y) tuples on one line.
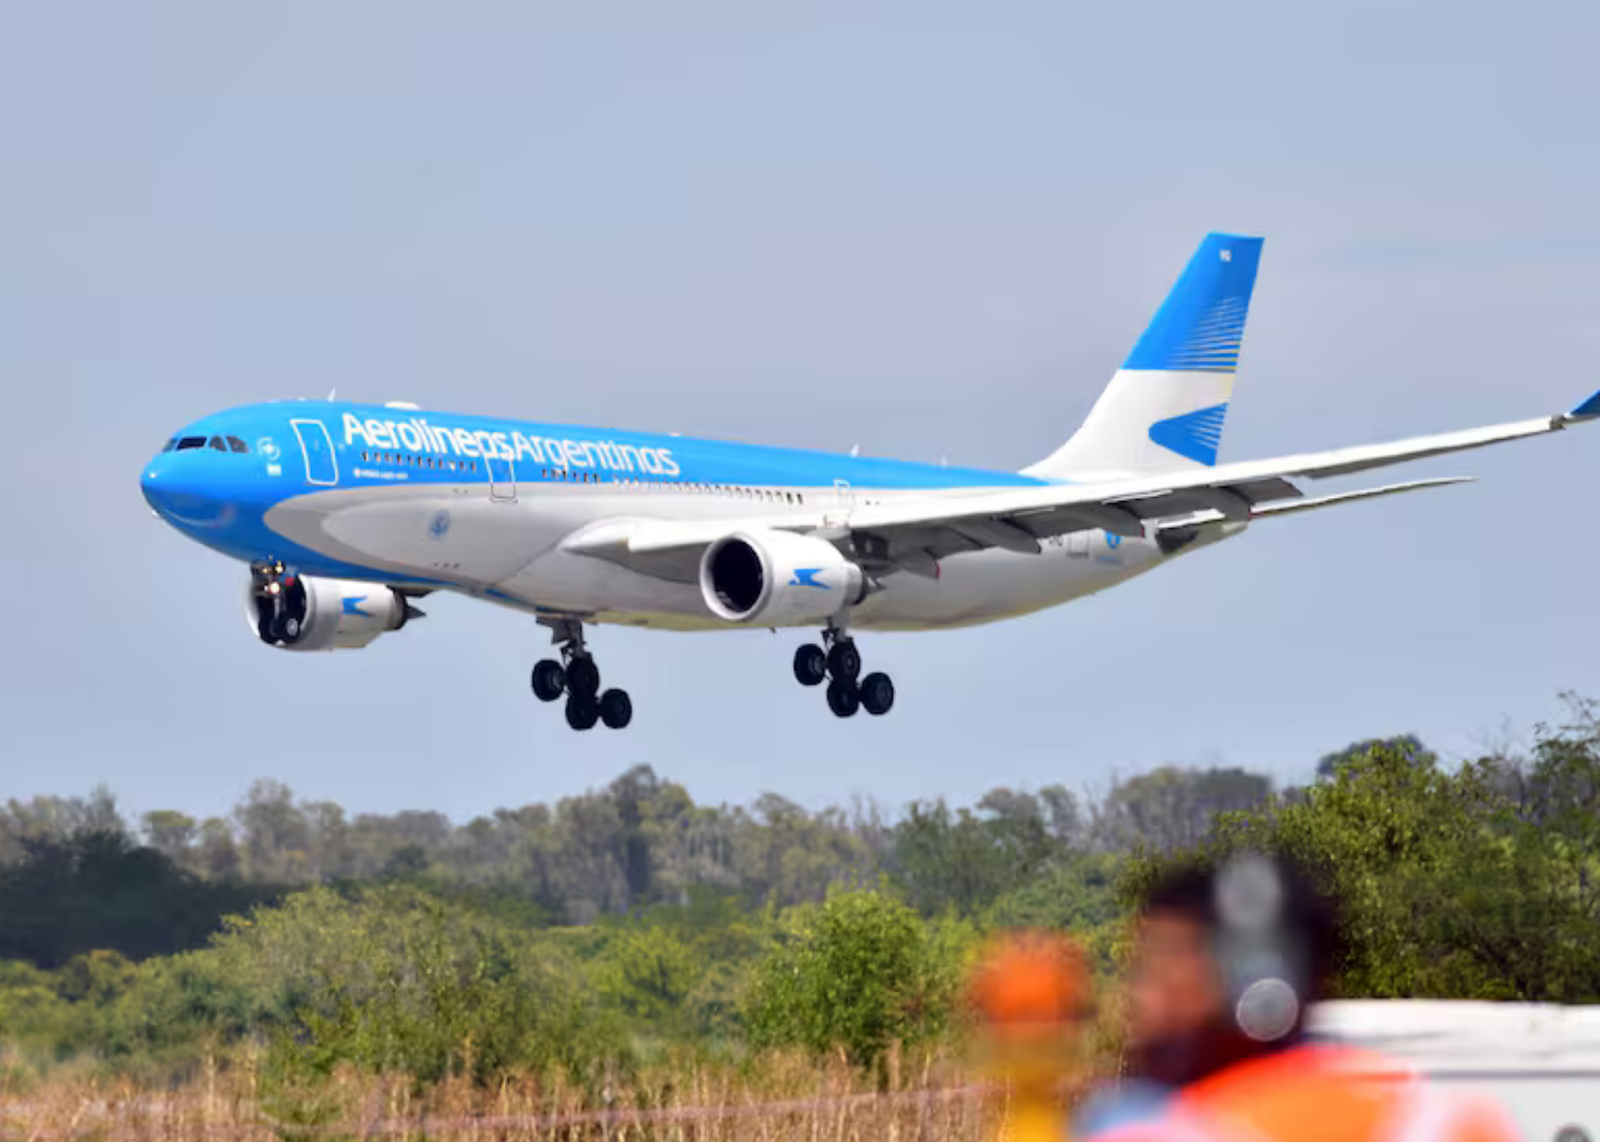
[(838, 662), (578, 678)]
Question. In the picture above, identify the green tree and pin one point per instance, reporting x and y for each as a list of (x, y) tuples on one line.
[(859, 974), (647, 973), (170, 833), (98, 890), (965, 860), (1445, 891)]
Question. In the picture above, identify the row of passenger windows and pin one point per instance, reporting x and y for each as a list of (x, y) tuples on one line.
[(216, 444), (434, 462), (566, 475), (769, 495)]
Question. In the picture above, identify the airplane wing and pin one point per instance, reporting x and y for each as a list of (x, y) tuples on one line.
[(912, 532)]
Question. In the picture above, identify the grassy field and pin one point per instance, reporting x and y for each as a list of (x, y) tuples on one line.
[(787, 1099)]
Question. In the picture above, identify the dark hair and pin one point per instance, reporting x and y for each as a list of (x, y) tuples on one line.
[(1187, 889)]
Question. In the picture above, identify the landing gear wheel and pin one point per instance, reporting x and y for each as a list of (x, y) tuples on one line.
[(877, 694), (843, 698), (844, 661), (583, 677), (616, 709), (549, 680), (582, 713), (577, 676), (810, 665)]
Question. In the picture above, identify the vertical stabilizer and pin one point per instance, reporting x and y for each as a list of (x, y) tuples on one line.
[(1164, 409)]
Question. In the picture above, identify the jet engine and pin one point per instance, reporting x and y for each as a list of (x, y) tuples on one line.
[(767, 578), (303, 612)]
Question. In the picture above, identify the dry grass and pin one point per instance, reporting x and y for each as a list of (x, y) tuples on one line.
[(787, 1099)]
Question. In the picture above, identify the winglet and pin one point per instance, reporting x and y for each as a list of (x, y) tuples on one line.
[(1589, 408)]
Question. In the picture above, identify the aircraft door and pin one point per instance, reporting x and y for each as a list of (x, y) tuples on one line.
[(322, 466), (844, 502), (502, 477)]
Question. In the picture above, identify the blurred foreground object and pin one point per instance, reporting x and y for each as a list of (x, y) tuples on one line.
[(1228, 962), (1031, 992), (1540, 1061)]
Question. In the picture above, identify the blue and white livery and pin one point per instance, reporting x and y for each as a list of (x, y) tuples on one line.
[(347, 514)]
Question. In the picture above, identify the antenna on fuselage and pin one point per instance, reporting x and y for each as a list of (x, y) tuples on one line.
[(332, 393), (855, 449)]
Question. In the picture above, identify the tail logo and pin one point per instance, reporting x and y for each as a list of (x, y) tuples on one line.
[(1194, 435)]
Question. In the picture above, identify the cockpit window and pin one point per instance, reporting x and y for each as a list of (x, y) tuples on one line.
[(170, 445), (238, 445), (218, 444), (189, 442)]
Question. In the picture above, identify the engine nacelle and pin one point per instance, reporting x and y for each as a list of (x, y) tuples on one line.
[(303, 612), (770, 577)]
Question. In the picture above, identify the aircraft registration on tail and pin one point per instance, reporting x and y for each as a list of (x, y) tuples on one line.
[(348, 514)]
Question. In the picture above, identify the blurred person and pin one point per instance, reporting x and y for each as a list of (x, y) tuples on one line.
[(1031, 993), (1227, 963)]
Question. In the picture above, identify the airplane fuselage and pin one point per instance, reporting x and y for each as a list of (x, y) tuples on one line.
[(482, 506)]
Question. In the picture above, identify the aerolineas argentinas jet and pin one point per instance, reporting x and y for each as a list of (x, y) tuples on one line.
[(347, 513)]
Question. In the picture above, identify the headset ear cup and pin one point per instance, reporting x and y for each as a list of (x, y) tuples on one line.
[(1267, 1010), (1254, 952)]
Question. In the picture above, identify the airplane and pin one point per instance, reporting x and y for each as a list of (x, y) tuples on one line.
[(347, 514)]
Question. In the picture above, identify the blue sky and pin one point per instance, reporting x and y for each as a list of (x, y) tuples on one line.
[(927, 229)]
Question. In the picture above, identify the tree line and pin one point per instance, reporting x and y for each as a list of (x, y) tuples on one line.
[(580, 937), (638, 842)]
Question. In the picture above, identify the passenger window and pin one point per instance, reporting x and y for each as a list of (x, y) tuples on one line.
[(238, 445)]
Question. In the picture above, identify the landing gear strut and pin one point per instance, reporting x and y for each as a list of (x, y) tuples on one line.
[(578, 678), (838, 662)]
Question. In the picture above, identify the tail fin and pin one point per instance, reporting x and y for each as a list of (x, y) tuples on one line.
[(1164, 408)]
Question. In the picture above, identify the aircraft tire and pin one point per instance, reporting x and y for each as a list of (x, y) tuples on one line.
[(844, 661), (616, 709), (810, 665), (843, 698), (583, 677), (549, 680), (582, 713), (877, 694)]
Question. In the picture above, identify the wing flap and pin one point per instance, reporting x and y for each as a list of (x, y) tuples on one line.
[(1302, 505)]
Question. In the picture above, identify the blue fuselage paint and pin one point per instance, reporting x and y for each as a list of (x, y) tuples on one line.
[(221, 499)]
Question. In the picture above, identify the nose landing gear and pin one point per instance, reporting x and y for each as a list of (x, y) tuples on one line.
[(838, 662), (578, 678), (280, 600)]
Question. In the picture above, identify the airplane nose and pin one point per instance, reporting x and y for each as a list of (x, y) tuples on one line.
[(176, 486)]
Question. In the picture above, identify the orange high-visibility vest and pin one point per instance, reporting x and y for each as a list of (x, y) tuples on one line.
[(1320, 1093)]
